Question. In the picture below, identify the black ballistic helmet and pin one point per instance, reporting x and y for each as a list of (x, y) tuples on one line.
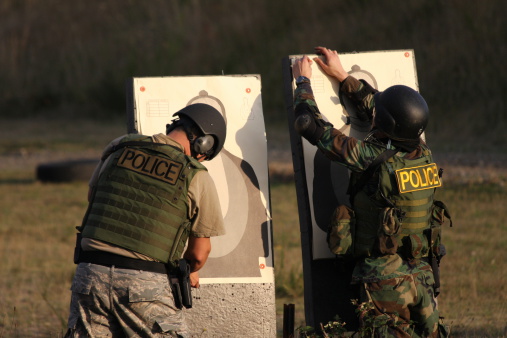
[(401, 113), (209, 121)]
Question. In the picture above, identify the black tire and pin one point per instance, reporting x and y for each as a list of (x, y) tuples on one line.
[(66, 171)]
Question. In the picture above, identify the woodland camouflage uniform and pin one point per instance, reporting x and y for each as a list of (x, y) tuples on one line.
[(400, 289)]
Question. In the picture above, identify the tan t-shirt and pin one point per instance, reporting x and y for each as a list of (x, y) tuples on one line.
[(204, 206)]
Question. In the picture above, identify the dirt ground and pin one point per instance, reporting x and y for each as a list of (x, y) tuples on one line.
[(458, 167), (43, 141)]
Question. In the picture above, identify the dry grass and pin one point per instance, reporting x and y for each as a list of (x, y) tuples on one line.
[(474, 273), (36, 233), (37, 226)]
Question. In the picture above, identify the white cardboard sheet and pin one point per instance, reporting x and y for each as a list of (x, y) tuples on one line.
[(240, 171), (381, 69)]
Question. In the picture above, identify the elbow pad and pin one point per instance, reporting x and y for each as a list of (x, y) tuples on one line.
[(309, 124)]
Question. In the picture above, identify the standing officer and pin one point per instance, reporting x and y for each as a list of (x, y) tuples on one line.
[(148, 196), (392, 227)]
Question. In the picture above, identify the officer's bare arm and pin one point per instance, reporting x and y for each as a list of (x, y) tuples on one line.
[(197, 253)]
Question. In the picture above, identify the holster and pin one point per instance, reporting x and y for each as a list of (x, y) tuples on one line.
[(77, 249), (184, 277), (439, 213), (435, 254), (176, 290), (179, 279)]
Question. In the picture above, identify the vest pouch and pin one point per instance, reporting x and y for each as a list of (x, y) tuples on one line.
[(390, 225), (415, 246), (339, 238), (439, 212), (179, 242), (77, 248)]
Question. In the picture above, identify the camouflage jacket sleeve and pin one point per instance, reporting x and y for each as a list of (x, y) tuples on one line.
[(348, 151), (360, 93)]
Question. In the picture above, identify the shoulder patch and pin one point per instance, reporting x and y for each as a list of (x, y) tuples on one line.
[(157, 167), (418, 178)]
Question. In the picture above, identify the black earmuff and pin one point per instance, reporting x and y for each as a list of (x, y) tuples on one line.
[(203, 144)]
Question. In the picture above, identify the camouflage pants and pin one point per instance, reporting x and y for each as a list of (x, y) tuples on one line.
[(112, 302), (406, 303)]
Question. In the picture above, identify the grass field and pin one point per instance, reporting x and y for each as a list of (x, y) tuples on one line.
[(37, 236)]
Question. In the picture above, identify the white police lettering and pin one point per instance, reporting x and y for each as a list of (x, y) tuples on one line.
[(418, 178), (154, 166)]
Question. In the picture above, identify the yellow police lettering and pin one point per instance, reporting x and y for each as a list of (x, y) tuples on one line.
[(423, 183), (415, 183), (418, 178), (157, 167), (404, 179), (435, 176), (427, 176), (430, 174)]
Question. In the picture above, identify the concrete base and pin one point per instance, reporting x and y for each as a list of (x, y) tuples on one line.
[(233, 310)]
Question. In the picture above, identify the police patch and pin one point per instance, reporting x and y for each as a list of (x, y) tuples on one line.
[(158, 167), (418, 178)]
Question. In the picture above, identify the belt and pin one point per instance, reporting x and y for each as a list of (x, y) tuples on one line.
[(122, 262)]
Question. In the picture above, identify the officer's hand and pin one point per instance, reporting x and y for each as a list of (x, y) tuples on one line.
[(332, 66), (302, 67), (194, 279)]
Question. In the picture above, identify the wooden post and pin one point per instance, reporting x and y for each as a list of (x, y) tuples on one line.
[(288, 320)]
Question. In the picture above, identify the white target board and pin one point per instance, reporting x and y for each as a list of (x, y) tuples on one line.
[(240, 172), (381, 69)]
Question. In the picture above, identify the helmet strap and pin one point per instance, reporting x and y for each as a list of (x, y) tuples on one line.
[(406, 145)]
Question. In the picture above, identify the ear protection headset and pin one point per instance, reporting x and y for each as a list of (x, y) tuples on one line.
[(201, 145), (205, 129)]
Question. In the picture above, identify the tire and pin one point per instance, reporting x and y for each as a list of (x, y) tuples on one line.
[(66, 171)]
